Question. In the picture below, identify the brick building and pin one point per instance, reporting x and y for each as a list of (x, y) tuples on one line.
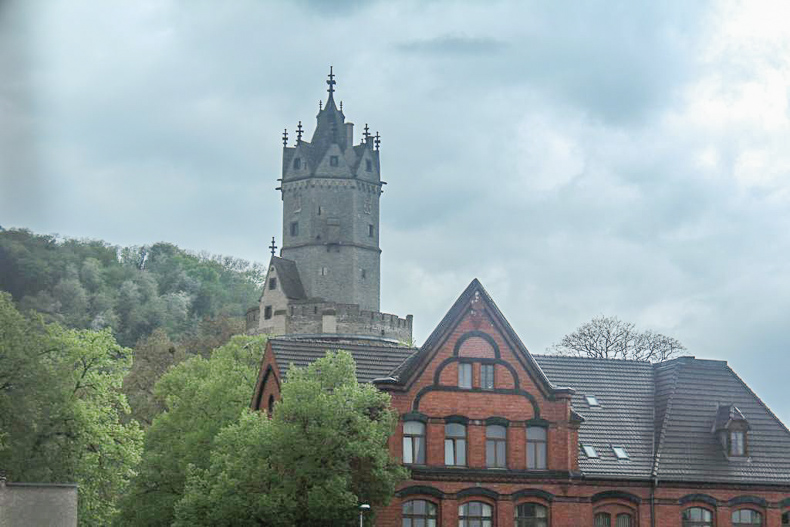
[(495, 436)]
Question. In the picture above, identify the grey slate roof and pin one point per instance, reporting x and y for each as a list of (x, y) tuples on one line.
[(289, 278), (689, 451), (624, 390), (374, 358), (670, 408)]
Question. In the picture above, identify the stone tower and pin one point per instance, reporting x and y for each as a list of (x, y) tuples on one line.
[(330, 193), (327, 279)]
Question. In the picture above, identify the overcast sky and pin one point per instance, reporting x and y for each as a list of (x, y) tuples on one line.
[(579, 158)]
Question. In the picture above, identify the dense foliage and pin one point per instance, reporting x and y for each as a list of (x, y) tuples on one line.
[(60, 410), (322, 454), (198, 396), (132, 290)]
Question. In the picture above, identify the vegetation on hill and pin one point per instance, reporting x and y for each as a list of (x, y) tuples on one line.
[(89, 284)]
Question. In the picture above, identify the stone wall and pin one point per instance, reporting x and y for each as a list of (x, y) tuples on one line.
[(38, 504)]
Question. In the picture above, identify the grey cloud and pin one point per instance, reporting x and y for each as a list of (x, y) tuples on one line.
[(453, 46)]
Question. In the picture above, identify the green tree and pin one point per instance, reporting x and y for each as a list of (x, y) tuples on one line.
[(322, 454), (61, 409), (199, 397)]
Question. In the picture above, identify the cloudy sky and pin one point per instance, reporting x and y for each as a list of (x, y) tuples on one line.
[(579, 158)]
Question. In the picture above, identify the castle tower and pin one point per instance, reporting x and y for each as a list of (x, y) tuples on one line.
[(326, 280), (330, 192)]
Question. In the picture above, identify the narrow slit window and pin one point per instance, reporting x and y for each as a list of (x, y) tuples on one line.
[(464, 375), (334, 161)]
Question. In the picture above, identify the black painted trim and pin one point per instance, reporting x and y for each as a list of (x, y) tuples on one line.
[(702, 498), (531, 398), (538, 421), (460, 419), (469, 334), (501, 421), (532, 493), (425, 490), (259, 396), (747, 500), (414, 416), (477, 491), (616, 495)]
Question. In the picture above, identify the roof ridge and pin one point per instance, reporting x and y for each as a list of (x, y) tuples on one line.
[(596, 359), (675, 365)]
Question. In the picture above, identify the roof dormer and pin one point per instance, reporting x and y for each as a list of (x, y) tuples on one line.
[(731, 429)]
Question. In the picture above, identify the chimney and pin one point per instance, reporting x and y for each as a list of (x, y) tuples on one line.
[(349, 134)]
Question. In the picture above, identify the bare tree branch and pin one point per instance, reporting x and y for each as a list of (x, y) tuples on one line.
[(611, 338)]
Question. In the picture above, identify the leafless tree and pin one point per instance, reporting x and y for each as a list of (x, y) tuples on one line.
[(611, 338)]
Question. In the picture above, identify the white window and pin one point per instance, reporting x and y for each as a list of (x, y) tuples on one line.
[(589, 451), (414, 442), (536, 448), (323, 271), (592, 400), (464, 375), (454, 444)]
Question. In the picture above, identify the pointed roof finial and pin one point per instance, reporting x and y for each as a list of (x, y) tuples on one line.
[(299, 133), (285, 137), (331, 82), (320, 105), (377, 141), (341, 106), (367, 133), (273, 247)]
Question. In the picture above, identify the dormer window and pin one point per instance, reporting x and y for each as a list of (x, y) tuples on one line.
[(731, 428), (272, 283), (334, 161)]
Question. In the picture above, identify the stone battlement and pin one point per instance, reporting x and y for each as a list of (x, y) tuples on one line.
[(321, 317)]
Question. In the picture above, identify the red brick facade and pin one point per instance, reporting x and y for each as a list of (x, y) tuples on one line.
[(429, 393)]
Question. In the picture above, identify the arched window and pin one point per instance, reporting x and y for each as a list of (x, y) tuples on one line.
[(623, 520), (496, 446), (697, 517), (475, 514), (454, 444), (603, 519), (747, 517), (419, 513), (532, 515), (414, 442), (536, 447)]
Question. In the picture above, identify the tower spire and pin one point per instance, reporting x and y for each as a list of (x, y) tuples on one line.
[(299, 133), (285, 137), (331, 82), (273, 247)]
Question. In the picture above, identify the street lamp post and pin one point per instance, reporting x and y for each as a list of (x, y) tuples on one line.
[(362, 508)]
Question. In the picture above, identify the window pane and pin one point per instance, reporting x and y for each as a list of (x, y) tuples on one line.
[(490, 454), (500, 453), (465, 375), (623, 520), (540, 462), (460, 454), (419, 507), (536, 432), (449, 457), (406, 522), (419, 522), (603, 520), (454, 430), (786, 518), (407, 457), (413, 428), (419, 448), (530, 455), (496, 431)]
